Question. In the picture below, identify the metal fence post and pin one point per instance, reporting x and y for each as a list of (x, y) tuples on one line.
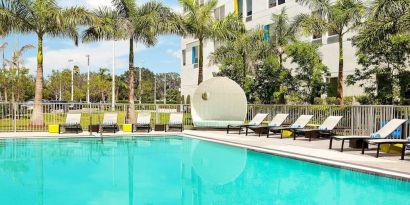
[(14, 117)]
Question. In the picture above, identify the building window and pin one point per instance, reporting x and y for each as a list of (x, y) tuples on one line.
[(248, 7), (240, 8), (183, 57), (219, 12), (281, 2), (272, 3), (266, 33), (195, 55)]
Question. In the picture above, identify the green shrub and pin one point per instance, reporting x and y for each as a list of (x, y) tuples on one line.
[(365, 100), (331, 100), (348, 100), (318, 101)]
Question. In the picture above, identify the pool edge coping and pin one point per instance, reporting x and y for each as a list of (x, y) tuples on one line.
[(318, 160)]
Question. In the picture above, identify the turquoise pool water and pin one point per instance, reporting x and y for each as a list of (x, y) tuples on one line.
[(175, 170)]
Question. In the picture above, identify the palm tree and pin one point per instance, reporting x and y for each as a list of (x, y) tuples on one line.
[(243, 52), (199, 22), (14, 71), (339, 17), (3, 46), (42, 17), (283, 33), (140, 24)]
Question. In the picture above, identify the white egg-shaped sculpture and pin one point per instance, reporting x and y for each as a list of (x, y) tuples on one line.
[(217, 103)]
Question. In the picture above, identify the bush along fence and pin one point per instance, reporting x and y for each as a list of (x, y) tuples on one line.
[(357, 120)]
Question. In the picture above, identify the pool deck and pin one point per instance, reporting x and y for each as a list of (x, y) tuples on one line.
[(316, 151)]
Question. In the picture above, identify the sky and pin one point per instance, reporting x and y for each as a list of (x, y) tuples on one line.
[(163, 57)]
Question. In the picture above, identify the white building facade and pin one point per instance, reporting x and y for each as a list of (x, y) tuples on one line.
[(258, 13)]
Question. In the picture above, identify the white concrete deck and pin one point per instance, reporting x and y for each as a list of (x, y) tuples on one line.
[(315, 151)]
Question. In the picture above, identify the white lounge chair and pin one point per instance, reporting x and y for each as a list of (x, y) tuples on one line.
[(175, 122), (300, 123), (109, 122), (256, 121), (384, 132), (276, 121), (143, 122), (326, 128), (72, 123)]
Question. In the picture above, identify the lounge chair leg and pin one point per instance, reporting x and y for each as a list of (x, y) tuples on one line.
[(267, 134), (378, 150), (246, 131), (281, 134), (227, 130), (330, 143), (403, 150), (240, 129), (294, 134), (343, 144), (363, 147)]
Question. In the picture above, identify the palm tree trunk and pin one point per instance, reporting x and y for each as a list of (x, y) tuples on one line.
[(201, 61), (244, 70), (282, 99), (131, 107), (37, 117), (339, 96)]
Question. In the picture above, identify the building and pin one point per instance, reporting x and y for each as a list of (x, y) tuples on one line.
[(259, 13)]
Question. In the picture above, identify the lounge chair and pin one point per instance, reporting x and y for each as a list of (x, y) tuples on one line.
[(300, 123), (143, 122), (256, 121), (326, 128), (276, 121), (175, 122), (384, 132), (72, 123), (109, 122)]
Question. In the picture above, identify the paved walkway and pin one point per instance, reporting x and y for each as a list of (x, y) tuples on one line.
[(316, 150)]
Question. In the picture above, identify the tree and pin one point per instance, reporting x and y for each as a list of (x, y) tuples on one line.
[(383, 49), (41, 17), (339, 17), (3, 84), (14, 77), (199, 22), (100, 85), (140, 24), (238, 57), (281, 34), (310, 71)]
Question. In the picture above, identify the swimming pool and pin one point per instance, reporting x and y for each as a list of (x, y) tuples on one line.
[(175, 170)]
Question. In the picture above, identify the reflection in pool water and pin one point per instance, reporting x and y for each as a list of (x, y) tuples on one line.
[(175, 170)]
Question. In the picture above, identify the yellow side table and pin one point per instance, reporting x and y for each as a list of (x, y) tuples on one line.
[(53, 128), (127, 127)]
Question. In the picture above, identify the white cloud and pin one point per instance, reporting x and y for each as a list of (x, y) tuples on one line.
[(100, 56), (174, 53)]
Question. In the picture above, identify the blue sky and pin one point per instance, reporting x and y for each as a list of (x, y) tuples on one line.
[(163, 57)]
